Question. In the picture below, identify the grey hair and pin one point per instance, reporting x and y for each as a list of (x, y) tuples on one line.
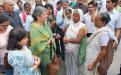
[(105, 17), (39, 10)]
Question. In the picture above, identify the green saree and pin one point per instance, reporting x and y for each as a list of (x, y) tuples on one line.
[(39, 46)]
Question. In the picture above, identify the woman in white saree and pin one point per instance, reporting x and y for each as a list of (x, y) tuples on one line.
[(73, 37)]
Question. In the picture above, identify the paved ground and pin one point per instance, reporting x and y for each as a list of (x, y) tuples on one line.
[(115, 67)]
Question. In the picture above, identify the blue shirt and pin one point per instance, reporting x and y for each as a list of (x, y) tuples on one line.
[(14, 19)]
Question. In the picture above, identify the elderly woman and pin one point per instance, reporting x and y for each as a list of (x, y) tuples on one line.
[(41, 35), (4, 32), (97, 48), (74, 36)]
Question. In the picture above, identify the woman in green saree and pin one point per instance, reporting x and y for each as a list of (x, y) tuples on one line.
[(41, 35)]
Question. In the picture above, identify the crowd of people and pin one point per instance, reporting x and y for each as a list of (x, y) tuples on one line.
[(70, 38)]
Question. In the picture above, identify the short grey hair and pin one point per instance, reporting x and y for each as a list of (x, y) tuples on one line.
[(105, 17), (39, 10)]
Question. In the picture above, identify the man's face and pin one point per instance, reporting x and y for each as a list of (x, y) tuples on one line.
[(19, 5), (80, 2), (38, 2), (98, 22), (59, 6), (65, 5), (109, 4), (28, 8), (9, 7)]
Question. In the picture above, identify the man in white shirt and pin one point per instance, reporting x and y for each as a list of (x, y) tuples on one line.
[(26, 16), (115, 23)]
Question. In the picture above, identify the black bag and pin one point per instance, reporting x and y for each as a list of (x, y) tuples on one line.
[(6, 64)]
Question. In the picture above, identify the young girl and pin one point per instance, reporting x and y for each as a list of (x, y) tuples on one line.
[(19, 56)]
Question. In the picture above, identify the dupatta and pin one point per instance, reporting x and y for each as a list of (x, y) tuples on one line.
[(40, 35)]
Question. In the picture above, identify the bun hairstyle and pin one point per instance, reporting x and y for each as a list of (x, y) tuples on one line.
[(15, 36)]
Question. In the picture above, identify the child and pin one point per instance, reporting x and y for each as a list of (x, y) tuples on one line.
[(19, 56)]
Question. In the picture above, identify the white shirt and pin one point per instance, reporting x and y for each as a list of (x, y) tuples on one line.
[(115, 19), (28, 22), (94, 48), (90, 25), (102, 4)]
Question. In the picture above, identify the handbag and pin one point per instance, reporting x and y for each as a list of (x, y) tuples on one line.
[(105, 63), (6, 64)]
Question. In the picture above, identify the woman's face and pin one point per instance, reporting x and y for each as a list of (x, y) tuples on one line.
[(68, 14), (76, 18), (43, 17), (23, 42), (4, 26), (91, 8), (49, 11)]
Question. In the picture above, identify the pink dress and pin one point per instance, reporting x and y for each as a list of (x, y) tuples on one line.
[(3, 43)]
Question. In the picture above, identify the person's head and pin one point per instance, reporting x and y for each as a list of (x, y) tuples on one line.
[(40, 14), (59, 5), (27, 7), (8, 5), (1, 9), (76, 15), (119, 2), (68, 13), (17, 39), (53, 23), (4, 22), (50, 9), (80, 2), (91, 6), (65, 4), (102, 19), (19, 4), (110, 4), (38, 2)]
